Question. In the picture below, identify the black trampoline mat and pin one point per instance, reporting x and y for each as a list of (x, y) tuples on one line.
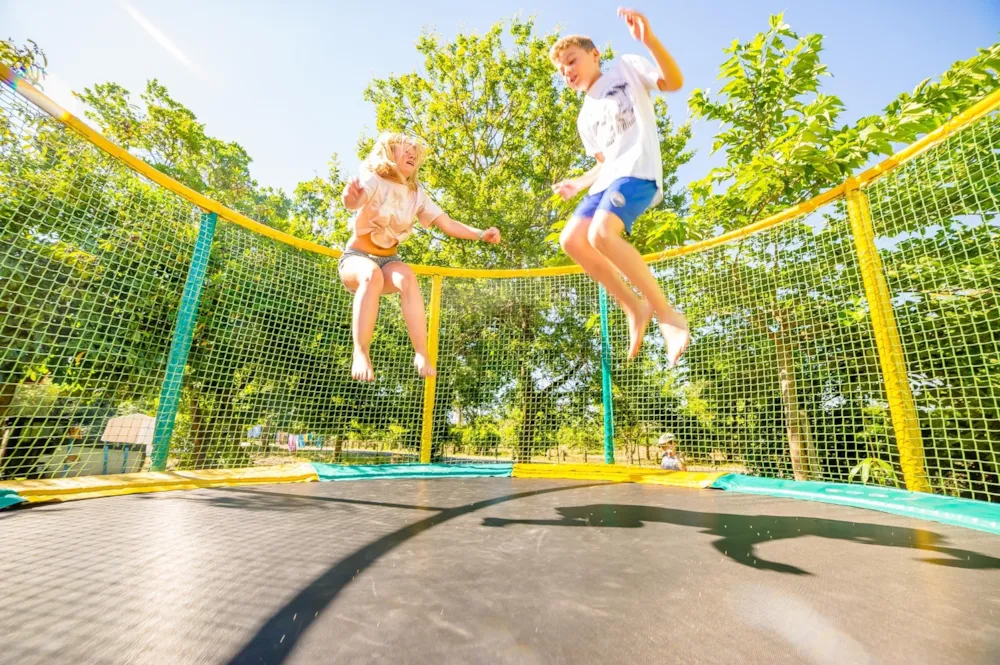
[(490, 570)]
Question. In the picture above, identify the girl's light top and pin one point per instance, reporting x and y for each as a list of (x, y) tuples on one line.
[(389, 209)]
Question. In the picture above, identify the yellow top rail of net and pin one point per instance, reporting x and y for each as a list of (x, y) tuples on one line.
[(39, 99)]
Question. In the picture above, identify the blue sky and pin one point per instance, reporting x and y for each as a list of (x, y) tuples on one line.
[(287, 82)]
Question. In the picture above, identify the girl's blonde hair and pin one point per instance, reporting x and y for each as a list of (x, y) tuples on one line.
[(381, 162)]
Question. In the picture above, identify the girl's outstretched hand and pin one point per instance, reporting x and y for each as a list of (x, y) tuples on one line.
[(491, 235)]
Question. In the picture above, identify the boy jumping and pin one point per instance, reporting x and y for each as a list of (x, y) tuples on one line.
[(618, 127)]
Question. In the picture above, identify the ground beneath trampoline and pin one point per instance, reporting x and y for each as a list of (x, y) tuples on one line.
[(492, 570)]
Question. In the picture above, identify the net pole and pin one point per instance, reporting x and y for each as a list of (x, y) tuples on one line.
[(430, 383), (902, 409), (609, 414), (180, 345)]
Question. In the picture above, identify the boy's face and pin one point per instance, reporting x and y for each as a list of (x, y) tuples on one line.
[(405, 157), (579, 68)]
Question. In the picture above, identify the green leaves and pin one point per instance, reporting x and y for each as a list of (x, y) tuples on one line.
[(875, 469), (500, 128), (774, 136), (28, 59), (168, 135)]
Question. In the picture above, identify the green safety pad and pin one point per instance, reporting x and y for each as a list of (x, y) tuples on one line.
[(372, 471), (945, 509), (9, 498)]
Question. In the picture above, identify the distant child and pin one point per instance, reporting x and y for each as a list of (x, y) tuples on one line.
[(670, 460), (388, 201), (618, 127)]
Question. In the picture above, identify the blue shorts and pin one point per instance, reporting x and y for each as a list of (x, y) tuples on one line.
[(626, 197)]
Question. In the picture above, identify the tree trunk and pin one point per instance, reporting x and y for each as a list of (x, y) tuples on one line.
[(526, 435), (7, 390), (197, 442), (797, 426)]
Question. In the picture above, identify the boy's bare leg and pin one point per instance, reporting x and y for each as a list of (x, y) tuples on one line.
[(605, 237), (574, 240)]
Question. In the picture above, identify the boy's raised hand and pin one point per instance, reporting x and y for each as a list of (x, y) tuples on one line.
[(638, 24)]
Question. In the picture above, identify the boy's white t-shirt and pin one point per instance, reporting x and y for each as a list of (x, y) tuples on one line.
[(617, 119), (390, 209)]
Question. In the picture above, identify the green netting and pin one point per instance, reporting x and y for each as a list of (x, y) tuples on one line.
[(783, 378), (520, 365), (268, 378), (92, 264), (937, 226)]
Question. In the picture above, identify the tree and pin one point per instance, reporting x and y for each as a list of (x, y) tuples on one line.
[(500, 131), (783, 146)]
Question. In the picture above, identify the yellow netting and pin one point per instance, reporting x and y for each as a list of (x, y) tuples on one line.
[(937, 227), (849, 343)]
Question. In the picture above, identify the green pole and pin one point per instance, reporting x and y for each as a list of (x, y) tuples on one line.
[(180, 346), (609, 412)]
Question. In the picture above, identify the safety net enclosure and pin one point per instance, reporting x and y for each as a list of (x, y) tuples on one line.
[(854, 338)]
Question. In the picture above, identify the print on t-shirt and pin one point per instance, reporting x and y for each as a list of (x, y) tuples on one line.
[(392, 203), (618, 117)]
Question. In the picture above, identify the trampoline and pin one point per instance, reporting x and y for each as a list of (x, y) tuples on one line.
[(153, 328), (489, 570)]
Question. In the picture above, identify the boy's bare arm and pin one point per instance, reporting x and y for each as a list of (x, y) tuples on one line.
[(671, 78), (590, 177), (569, 188)]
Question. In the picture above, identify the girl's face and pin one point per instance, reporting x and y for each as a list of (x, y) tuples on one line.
[(405, 156)]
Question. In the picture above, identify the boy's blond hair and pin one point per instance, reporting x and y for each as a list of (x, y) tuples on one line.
[(584, 42), (381, 162)]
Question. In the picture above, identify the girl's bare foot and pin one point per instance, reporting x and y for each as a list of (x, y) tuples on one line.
[(423, 365), (676, 336), (361, 369), (637, 322)]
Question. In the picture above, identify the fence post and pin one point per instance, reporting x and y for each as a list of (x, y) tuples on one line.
[(430, 383), (609, 412), (902, 410), (180, 346)]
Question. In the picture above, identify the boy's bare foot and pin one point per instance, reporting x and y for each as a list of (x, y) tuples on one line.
[(676, 336), (361, 369), (637, 322), (423, 365)]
